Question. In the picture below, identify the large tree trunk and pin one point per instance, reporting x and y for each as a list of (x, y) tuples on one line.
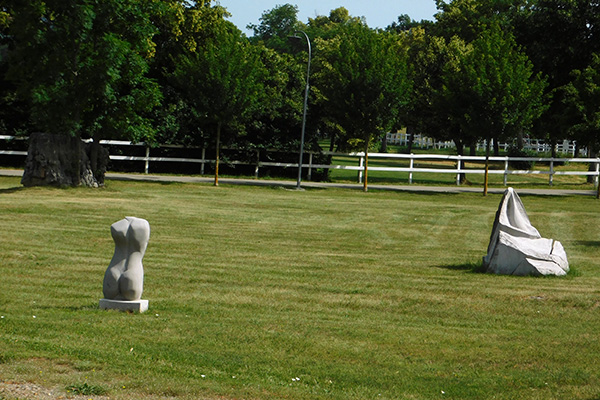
[(62, 160)]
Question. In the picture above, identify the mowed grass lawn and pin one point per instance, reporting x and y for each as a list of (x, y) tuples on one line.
[(267, 293)]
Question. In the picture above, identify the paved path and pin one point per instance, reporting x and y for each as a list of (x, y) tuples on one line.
[(307, 184)]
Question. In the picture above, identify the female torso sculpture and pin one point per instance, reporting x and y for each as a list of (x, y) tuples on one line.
[(124, 277)]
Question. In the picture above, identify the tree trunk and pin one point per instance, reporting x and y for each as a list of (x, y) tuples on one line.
[(520, 140), (62, 160), (473, 149), (384, 143), (217, 156), (496, 147), (332, 143)]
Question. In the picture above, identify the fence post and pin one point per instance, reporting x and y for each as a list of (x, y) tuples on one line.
[(506, 171), (458, 164), (310, 159), (597, 173), (361, 163), (203, 161), (412, 164), (147, 161), (551, 172), (257, 164)]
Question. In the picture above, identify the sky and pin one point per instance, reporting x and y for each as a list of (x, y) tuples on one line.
[(378, 13)]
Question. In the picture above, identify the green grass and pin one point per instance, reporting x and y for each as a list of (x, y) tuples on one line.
[(359, 295)]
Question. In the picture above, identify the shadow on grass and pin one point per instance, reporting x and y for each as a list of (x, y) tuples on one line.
[(586, 243), (478, 268), (469, 267), (12, 190), (85, 307)]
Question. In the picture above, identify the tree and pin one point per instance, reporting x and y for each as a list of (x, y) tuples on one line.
[(405, 23), (14, 112), (467, 19), (275, 27), (361, 76), (184, 29), (82, 67), (559, 36), (221, 81), (495, 87), (581, 98)]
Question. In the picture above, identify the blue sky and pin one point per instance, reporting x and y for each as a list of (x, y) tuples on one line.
[(378, 13)]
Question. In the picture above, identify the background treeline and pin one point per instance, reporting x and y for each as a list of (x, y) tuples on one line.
[(178, 72)]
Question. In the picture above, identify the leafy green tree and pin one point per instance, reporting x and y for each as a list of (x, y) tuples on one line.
[(405, 23), (505, 94), (467, 19), (559, 36), (427, 56), (275, 27), (581, 98), (82, 66), (362, 80), (14, 112), (495, 87), (448, 95), (221, 80), (276, 123), (184, 28)]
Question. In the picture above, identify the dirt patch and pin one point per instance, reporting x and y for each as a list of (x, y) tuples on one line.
[(10, 390)]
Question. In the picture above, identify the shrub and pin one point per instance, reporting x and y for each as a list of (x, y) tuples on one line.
[(513, 151)]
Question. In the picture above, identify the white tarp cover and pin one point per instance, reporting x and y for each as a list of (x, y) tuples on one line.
[(517, 248)]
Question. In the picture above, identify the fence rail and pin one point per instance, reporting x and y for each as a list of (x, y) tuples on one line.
[(536, 145), (359, 165)]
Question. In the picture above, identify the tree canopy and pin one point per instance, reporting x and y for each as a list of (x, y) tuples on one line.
[(82, 66)]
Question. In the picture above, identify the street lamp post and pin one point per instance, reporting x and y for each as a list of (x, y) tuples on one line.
[(305, 107)]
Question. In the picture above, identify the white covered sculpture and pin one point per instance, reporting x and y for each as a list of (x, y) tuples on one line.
[(517, 248), (124, 277)]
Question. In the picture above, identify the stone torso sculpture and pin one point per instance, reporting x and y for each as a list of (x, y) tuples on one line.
[(124, 277)]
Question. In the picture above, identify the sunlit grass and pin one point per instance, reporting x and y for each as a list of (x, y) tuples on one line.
[(267, 293)]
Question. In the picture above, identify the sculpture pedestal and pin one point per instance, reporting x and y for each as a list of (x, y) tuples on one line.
[(123, 305)]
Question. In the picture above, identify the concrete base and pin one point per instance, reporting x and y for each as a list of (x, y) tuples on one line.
[(122, 305)]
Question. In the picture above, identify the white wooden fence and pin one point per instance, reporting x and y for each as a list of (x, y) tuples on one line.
[(460, 160), (359, 166), (537, 145)]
